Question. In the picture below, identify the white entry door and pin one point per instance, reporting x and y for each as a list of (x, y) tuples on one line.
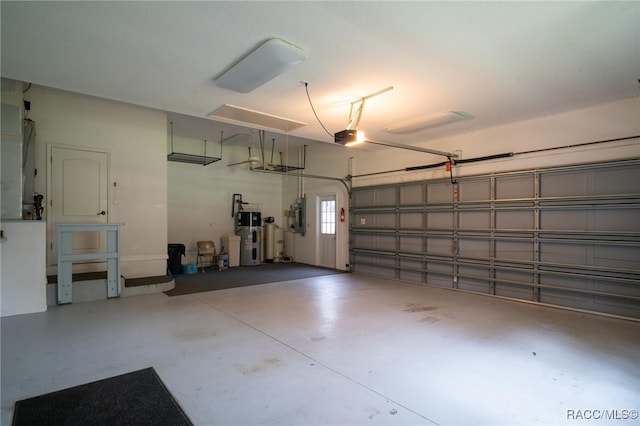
[(327, 231), (78, 193)]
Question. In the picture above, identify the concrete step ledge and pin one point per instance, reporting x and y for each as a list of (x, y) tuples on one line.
[(90, 287), (147, 285)]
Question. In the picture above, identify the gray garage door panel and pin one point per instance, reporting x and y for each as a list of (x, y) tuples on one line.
[(565, 220), (364, 197), (515, 187), (515, 219), (563, 184), (440, 220), (385, 242), (440, 246), (574, 254), (615, 219), (411, 220), (377, 271), (474, 278), (474, 248), (475, 219), (439, 280), (363, 241), (439, 192), (475, 190), (411, 244), (513, 291), (515, 250), (624, 257), (412, 195), (623, 180), (565, 236), (442, 267), (411, 270)]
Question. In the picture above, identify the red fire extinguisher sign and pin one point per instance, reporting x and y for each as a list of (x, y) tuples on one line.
[(342, 215)]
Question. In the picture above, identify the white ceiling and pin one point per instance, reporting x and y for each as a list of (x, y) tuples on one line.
[(499, 62)]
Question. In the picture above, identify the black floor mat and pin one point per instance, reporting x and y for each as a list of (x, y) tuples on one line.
[(242, 276), (136, 398)]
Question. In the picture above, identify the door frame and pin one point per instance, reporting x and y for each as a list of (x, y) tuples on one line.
[(51, 231), (319, 199)]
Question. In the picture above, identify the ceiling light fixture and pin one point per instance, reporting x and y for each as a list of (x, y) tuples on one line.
[(429, 121), (271, 58)]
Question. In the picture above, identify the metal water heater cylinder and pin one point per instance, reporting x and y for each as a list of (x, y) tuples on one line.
[(249, 229), (278, 244), (268, 242)]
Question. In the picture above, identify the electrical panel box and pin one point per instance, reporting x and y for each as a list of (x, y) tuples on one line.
[(299, 211)]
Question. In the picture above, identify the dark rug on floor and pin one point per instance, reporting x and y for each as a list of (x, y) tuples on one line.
[(136, 398), (242, 276)]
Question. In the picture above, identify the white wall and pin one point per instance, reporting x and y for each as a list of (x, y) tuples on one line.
[(136, 138), (607, 121), (200, 197), (322, 160)]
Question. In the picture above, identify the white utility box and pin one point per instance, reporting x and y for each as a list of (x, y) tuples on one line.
[(231, 244)]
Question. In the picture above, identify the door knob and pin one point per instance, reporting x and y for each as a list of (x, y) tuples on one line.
[(102, 213)]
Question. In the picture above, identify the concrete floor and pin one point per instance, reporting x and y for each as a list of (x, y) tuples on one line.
[(338, 350)]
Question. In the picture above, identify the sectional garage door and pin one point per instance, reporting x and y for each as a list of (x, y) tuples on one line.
[(565, 236)]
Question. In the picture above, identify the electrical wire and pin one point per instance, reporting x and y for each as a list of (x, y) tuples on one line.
[(306, 88), (32, 133)]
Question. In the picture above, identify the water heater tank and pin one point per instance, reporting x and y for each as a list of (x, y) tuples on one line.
[(278, 246), (268, 242), (249, 229)]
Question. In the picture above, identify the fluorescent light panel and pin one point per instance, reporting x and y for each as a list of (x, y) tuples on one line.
[(271, 58), (433, 120), (255, 119)]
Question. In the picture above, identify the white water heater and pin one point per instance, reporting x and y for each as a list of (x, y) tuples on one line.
[(268, 241), (278, 244), (273, 241)]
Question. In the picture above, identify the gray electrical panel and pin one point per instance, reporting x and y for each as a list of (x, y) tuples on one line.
[(299, 211)]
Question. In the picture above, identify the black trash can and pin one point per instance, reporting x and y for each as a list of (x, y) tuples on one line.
[(174, 262)]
